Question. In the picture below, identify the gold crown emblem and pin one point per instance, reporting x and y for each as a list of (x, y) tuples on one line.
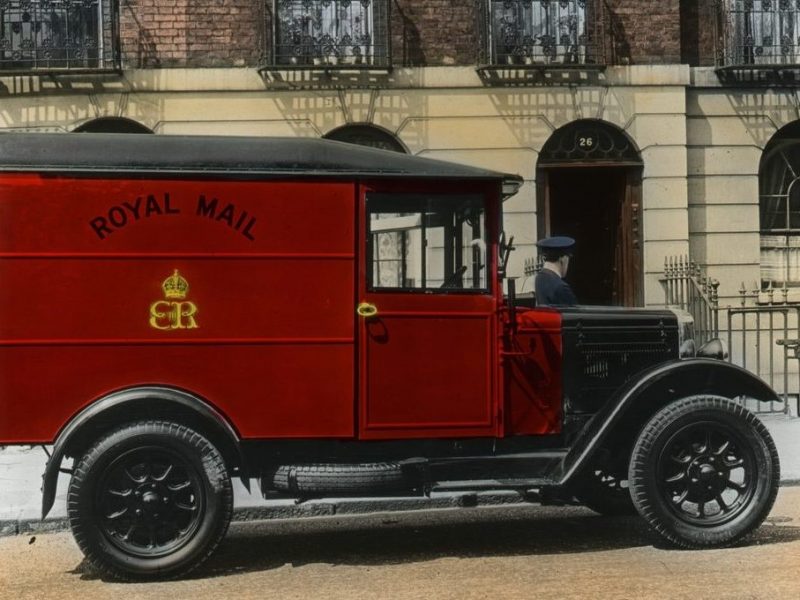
[(175, 287)]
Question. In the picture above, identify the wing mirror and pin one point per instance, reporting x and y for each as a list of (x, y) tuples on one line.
[(505, 252)]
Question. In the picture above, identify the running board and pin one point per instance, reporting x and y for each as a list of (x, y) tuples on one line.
[(491, 484), (506, 471)]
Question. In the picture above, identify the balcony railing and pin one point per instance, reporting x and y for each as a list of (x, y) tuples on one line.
[(331, 33), (546, 32), (758, 33), (53, 35)]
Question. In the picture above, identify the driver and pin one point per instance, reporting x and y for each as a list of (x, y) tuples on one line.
[(551, 289)]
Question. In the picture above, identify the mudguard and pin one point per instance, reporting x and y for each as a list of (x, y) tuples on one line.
[(138, 397), (671, 380)]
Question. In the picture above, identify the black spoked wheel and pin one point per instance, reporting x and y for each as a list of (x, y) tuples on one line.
[(704, 472), (708, 472), (151, 500)]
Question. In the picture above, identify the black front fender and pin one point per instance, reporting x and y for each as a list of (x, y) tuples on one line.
[(140, 402), (654, 388)]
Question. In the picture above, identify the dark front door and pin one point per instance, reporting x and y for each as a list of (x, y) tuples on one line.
[(600, 208)]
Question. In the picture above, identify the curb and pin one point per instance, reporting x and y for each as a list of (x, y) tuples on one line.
[(314, 508)]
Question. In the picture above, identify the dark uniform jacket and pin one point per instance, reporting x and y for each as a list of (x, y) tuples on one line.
[(551, 290)]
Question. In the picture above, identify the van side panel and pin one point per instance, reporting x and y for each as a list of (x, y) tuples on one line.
[(533, 374), (239, 291)]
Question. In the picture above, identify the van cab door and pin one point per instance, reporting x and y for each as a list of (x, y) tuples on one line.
[(427, 316)]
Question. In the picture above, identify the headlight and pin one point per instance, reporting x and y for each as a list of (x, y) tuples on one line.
[(686, 345), (687, 349), (715, 348)]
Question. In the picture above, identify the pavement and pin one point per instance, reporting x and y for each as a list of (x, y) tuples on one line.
[(497, 552), (21, 469)]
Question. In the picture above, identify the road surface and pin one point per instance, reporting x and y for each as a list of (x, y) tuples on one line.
[(494, 552)]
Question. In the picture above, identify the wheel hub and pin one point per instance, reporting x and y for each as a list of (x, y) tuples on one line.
[(708, 477), (149, 498), (151, 502)]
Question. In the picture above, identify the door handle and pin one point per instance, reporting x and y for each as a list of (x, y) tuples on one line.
[(366, 310)]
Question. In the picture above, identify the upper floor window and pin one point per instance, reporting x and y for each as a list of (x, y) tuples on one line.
[(331, 33), (760, 32), (58, 34), (779, 203), (536, 32)]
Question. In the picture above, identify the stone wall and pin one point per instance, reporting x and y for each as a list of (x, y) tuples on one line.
[(434, 32), (187, 33), (698, 32), (644, 31), (727, 131), (200, 33)]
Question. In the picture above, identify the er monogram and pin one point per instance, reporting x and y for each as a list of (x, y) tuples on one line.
[(169, 314)]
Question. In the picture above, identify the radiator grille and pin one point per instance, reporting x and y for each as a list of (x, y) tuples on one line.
[(620, 361), (599, 362)]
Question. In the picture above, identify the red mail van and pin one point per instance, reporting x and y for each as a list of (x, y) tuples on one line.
[(329, 320)]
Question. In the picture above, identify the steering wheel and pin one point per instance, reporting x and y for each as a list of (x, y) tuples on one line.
[(454, 277)]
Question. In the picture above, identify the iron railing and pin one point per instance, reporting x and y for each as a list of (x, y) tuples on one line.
[(52, 35), (545, 32), (758, 33), (331, 33), (757, 336), (686, 286), (762, 332)]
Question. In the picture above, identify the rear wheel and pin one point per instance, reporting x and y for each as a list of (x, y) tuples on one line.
[(150, 500), (704, 472)]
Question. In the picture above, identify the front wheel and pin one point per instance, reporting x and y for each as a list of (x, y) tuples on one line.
[(150, 500), (704, 472)]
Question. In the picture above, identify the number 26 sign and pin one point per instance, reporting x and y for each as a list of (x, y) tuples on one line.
[(586, 140)]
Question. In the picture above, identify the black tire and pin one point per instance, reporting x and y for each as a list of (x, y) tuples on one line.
[(704, 472), (339, 478), (605, 493), (151, 500)]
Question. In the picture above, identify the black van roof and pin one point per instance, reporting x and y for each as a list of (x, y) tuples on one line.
[(262, 156)]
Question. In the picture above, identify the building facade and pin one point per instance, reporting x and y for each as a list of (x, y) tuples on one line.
[(647, 129)]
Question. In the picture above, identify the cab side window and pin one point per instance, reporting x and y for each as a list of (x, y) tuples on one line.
[(427, 242)]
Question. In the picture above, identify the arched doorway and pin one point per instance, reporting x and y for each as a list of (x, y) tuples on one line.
[(589, 187), (111, 125), (364, 134)]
